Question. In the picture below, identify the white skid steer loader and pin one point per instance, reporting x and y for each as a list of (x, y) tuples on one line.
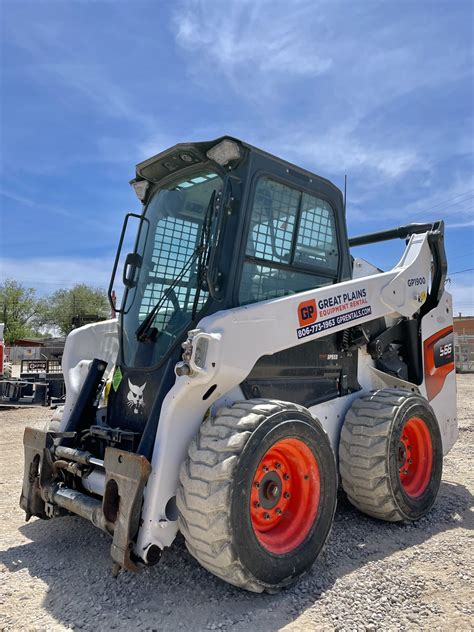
[(254, 366)]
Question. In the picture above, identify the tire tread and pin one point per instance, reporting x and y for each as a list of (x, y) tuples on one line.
[(204, 493), (363, 454)]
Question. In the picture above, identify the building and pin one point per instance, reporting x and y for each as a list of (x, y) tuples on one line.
[(464, 343), (464, 325), (35, 349)]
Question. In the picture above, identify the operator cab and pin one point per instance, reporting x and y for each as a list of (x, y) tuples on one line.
[(224, 224)]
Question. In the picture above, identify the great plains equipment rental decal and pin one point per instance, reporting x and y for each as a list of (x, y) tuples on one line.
[(342, 308)]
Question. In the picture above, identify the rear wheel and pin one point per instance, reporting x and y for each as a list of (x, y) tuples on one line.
[(390, 455), (257, 493)]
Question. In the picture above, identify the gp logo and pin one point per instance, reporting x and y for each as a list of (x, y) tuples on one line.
[(307, 312)]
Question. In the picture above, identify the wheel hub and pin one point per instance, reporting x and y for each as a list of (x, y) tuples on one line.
[(285, 495), (270, 490), (415, 457), (402, 453)]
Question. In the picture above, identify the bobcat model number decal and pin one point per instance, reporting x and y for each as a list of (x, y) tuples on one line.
[(439, 360)]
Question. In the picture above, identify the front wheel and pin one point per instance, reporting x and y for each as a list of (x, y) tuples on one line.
[(257, 494), (391, 455)]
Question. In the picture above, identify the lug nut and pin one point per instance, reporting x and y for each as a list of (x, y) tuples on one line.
[(266, 516), (286, 495), (265, 468), (257, 484), (279, 511), (286, 477), (277, 465), (257, 504)]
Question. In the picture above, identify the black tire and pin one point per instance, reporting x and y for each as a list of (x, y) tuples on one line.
[(216, 483), (377, 472)]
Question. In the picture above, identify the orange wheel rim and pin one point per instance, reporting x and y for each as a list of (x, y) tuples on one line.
[(285, 496), (415, 457)]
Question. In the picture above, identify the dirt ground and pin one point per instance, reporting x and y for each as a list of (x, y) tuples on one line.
[(57, 575)]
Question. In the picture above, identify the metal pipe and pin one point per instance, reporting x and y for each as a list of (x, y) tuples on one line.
[(79, 456), (394, 233), (94, 482), (80, 504)]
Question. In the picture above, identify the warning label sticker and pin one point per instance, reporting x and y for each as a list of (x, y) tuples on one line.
[(117, 378)]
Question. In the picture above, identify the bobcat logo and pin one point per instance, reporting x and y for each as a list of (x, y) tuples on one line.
[(135, 397)]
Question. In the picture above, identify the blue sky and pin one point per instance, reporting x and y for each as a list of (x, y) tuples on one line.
[(382, 91)]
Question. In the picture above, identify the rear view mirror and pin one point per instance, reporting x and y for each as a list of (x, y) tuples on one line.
[(132, 262)]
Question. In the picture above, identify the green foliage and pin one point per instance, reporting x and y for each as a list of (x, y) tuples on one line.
[(67, 309), (19, 310)]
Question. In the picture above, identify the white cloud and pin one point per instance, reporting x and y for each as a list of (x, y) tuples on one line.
[(340, 151), (352, 72), (249, 44)]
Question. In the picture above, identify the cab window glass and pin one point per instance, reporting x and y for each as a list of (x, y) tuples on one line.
[(291, 245), (316, 244)]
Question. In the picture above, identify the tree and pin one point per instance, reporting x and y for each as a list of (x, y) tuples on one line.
[(67, 309), (19, 310)]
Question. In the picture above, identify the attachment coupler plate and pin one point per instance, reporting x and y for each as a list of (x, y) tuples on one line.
[(44, 495)]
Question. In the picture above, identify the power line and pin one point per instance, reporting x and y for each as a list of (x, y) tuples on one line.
[(460, 271), (468, 194)]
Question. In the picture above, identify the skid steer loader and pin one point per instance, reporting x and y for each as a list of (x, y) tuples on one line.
[(254, 366)]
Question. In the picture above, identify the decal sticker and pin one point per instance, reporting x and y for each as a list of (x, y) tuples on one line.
[(307, 312), (342, 306), (117, 378), (417, 281), (135, 397), (438, 360), (322, 325)]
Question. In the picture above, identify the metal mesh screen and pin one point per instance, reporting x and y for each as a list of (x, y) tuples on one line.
[(316, 244), (278, 210), (175, 241), (273, 217)]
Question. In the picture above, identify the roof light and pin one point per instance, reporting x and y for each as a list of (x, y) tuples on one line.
[(224, 152), (140, 187)]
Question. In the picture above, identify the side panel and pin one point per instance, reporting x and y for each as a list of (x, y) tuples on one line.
[(439, 379), (306, 374)]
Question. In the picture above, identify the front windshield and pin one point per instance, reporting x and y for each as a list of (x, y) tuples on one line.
[(176, 214)]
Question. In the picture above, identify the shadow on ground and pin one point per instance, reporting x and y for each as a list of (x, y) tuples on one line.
[(72, 558)]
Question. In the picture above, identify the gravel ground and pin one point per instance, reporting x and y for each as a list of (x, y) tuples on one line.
[(371, 575)]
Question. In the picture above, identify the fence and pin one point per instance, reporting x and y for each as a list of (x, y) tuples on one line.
[(464, 353), (17, 354)]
